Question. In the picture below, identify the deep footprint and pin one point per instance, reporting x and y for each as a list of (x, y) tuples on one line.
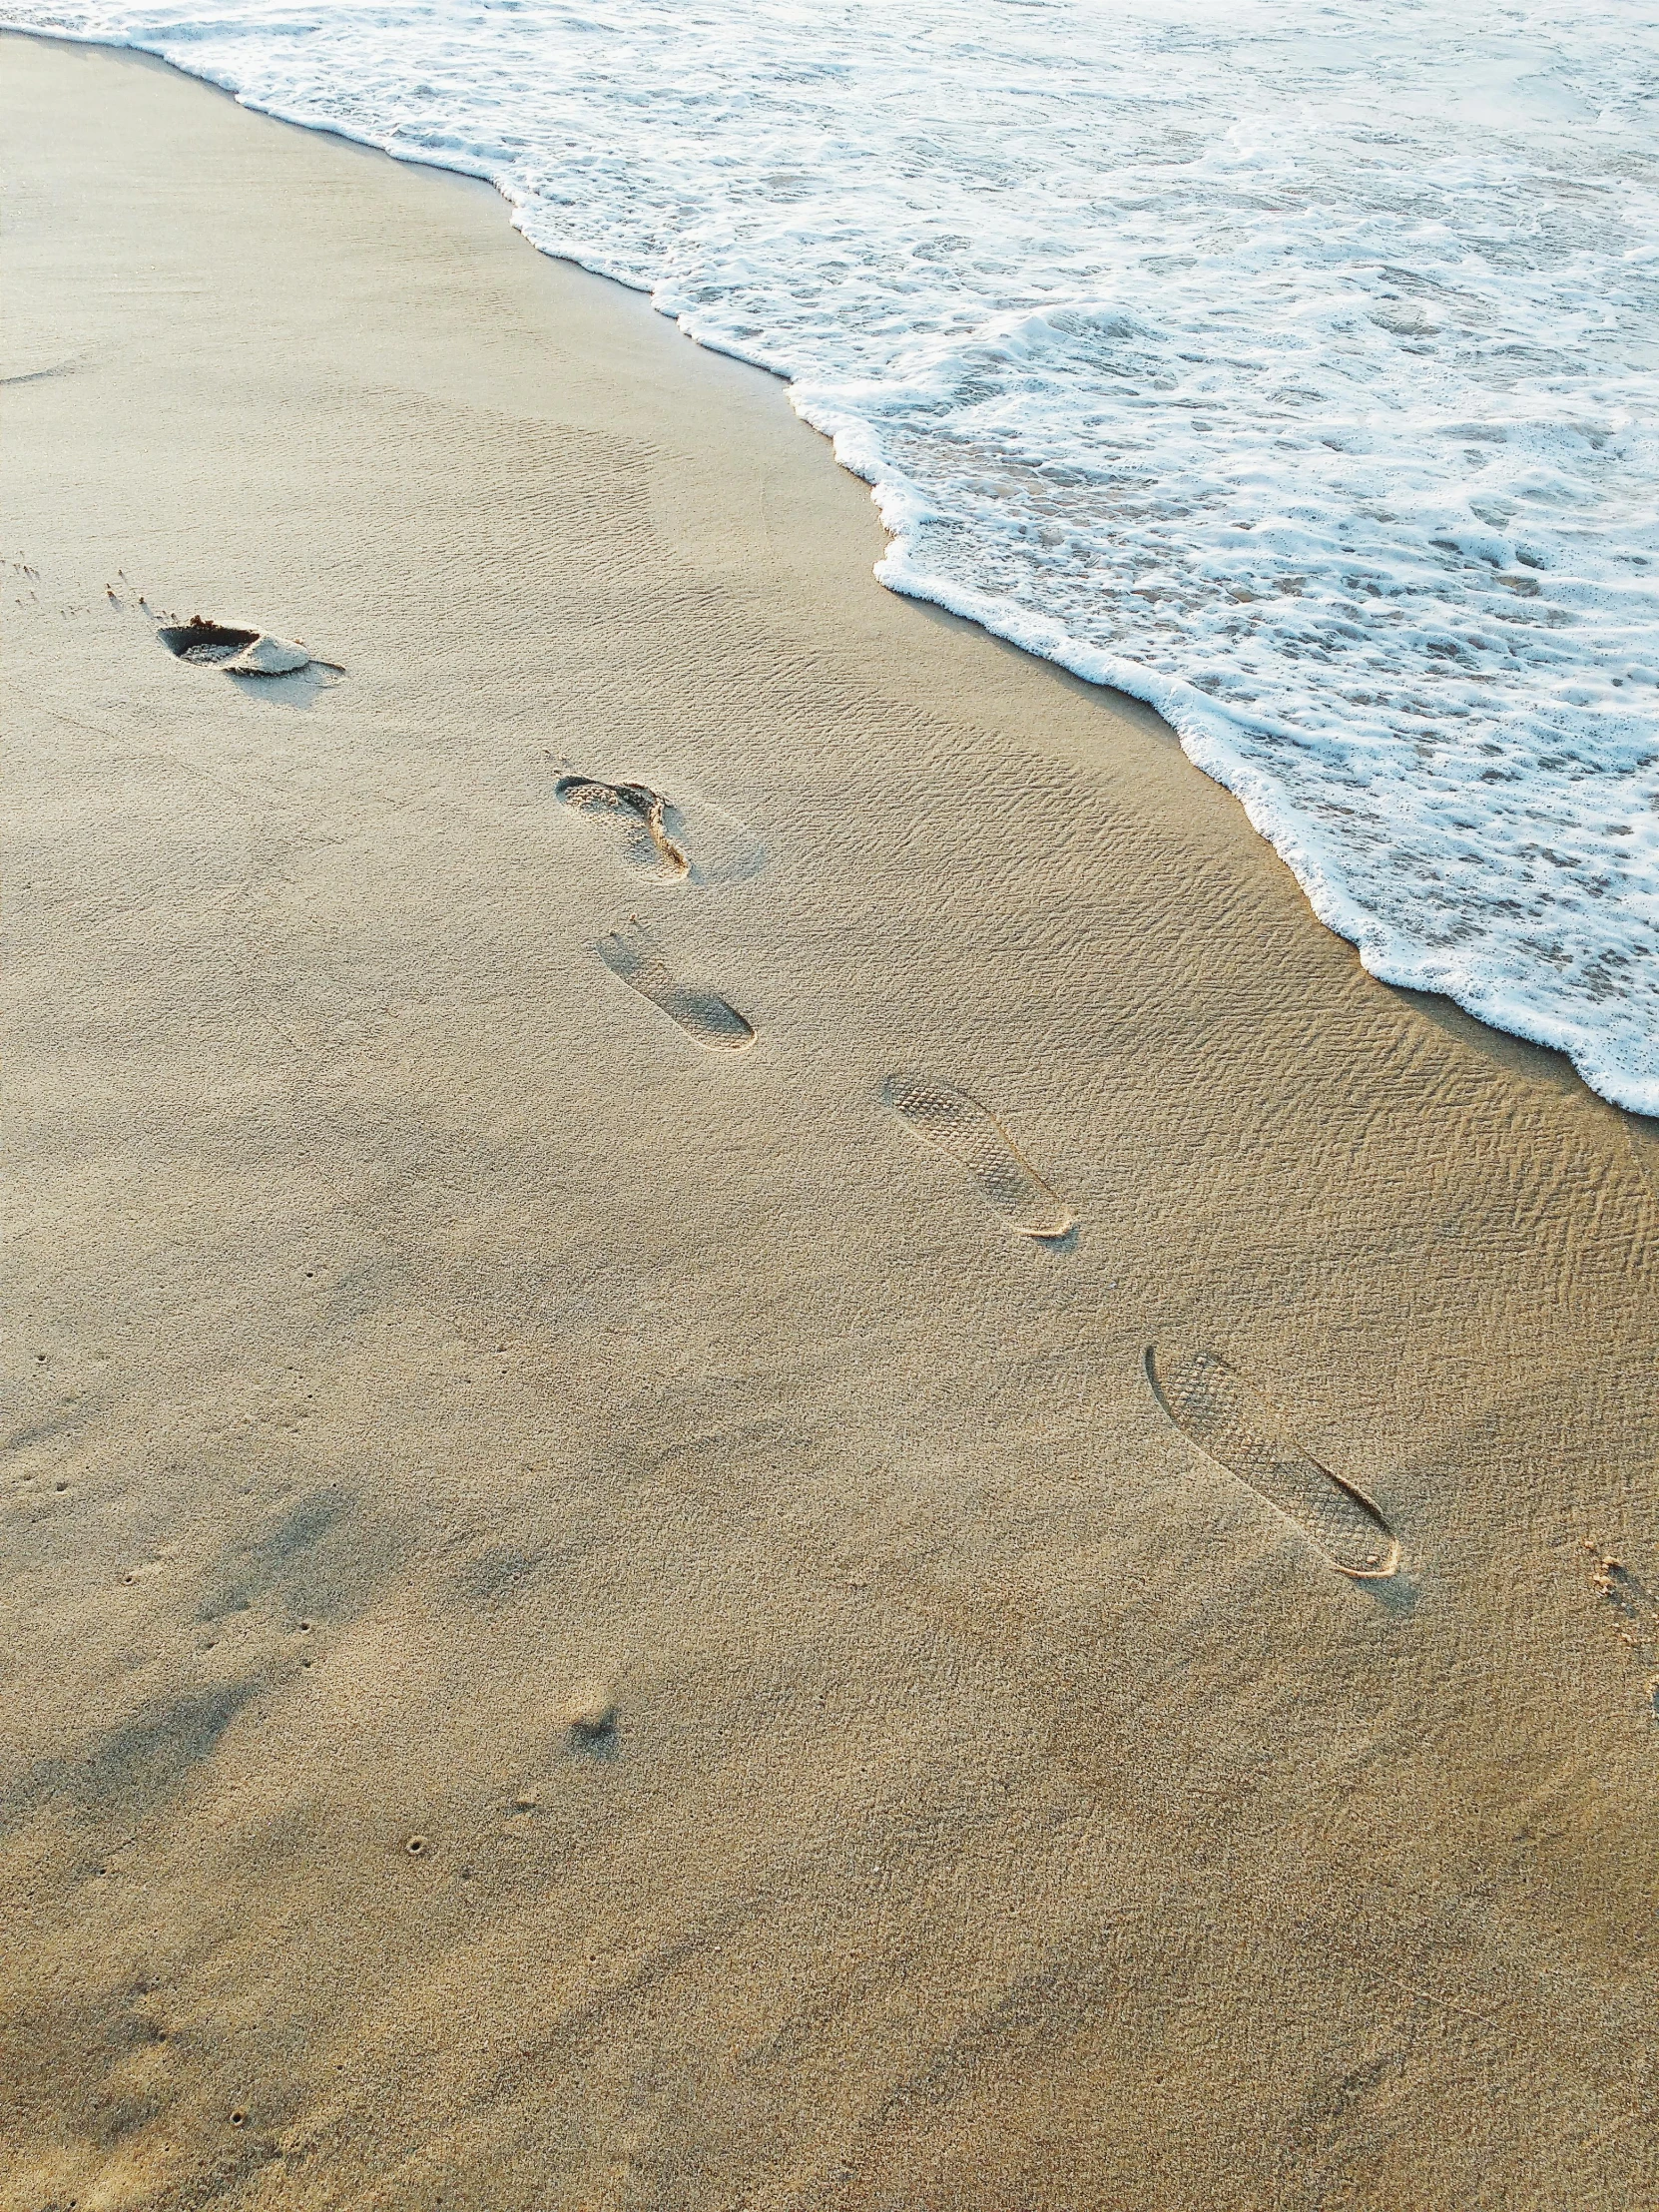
[(633, 956), (634, 815), (205, 644), (1214, 1408), (952, 1123)]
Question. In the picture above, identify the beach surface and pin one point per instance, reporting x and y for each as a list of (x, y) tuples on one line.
[(678, 1475)]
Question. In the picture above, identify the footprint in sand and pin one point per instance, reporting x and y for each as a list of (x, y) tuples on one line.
[(635, 817), (954, 1123), (1215, 1409), (632, 955), (1633, 1609), (686, 841), (236, 651)]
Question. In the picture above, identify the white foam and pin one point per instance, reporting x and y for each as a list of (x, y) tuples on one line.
[(1290, 365)]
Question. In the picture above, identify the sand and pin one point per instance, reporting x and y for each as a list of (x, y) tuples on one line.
[(601, 1608)]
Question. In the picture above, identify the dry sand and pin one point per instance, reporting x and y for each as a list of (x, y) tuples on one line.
[(590, 1621)]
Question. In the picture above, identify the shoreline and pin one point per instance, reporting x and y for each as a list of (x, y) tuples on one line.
[(1219, 748), (606, 1612)]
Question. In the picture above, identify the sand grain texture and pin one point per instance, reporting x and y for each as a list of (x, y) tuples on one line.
[(586, 1627)]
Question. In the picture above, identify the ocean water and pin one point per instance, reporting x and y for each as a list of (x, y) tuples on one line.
[(1291, 366)]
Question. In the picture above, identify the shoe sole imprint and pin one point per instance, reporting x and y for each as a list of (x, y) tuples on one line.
[(691, 841), (1215, 1409), (632, 957), (207, 644), (636, 813), (951, 1122)]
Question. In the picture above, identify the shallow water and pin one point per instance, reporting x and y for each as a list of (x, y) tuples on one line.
[(1291, 366)]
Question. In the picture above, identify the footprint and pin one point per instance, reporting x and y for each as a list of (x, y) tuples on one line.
[(632, 954), (687, 839), (65, 367), (1214, 1408), (952, 1122), (633, 814), (1634, 1610), (205, 644)]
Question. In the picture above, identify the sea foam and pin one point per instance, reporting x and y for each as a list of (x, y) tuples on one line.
[(1291, 366)]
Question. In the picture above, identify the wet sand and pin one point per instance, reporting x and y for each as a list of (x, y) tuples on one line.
[(603, 1610)]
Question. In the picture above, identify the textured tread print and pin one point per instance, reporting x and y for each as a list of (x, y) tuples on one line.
[(632, 958), (635, 815), (1214, 1408), (952, 1123)]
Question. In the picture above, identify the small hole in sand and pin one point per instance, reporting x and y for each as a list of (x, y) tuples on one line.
[(238, 2119), (416, 1846)]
